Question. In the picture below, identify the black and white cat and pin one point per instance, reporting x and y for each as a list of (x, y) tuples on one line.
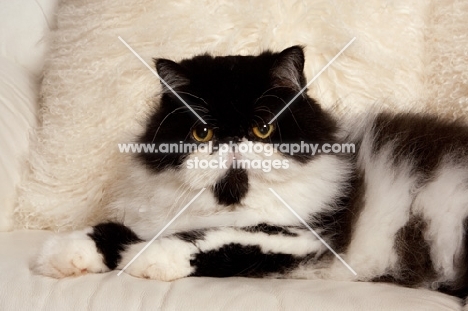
[(395, 210)]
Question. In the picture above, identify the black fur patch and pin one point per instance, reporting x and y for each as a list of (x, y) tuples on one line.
[(423, 139), (414, 259), (191, 236), (269, 229), (232, 187), (242, 260), (459, 287), (414, 253), (338, 224), (111, 239)]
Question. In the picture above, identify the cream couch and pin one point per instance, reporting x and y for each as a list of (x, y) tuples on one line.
[(23, 24)]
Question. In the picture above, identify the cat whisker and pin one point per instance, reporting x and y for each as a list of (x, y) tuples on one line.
[(262, 120), (200, 108), (279, 132), (275, 87), (292, 114), (160, 124), (190, 94), (184, 195), (264, 110), (271, 95)]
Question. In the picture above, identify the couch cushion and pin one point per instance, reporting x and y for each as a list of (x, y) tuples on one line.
[(23, 25), (21, 290), (18, 105)]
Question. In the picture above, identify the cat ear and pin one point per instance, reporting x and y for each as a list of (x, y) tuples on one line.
[(171, 72), (288, 68)]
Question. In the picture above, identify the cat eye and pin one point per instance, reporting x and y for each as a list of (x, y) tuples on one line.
[(202, 133), (263, 131)]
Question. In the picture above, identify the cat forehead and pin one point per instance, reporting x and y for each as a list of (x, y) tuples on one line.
[(231, 78), (229, 62), (235, 83), (229, 68)]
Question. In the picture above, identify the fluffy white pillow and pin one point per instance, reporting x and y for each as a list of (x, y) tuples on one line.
[(95, 91)]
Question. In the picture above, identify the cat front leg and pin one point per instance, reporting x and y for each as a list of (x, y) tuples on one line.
[(164, 259), (258, 251), (93, 250), (70, 254)]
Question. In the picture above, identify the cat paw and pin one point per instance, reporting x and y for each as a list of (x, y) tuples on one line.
[(70, 255), (164, 260)]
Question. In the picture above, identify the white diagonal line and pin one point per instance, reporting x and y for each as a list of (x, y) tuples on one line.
[(160, 232), (312, 230), (162, 80), (313, 79)]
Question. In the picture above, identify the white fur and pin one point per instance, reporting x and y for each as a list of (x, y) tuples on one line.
[(70, 254), (392, 195), (386, 209), (146, 201), (301, 245), (444, 205), (165, 259)]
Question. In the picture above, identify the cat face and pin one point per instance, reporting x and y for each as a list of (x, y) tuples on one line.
[(237, 97)]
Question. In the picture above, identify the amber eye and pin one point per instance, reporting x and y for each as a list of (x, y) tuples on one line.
[(263, 131), (202, 133)]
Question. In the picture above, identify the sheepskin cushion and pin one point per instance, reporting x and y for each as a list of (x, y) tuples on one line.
[(96, 92)]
